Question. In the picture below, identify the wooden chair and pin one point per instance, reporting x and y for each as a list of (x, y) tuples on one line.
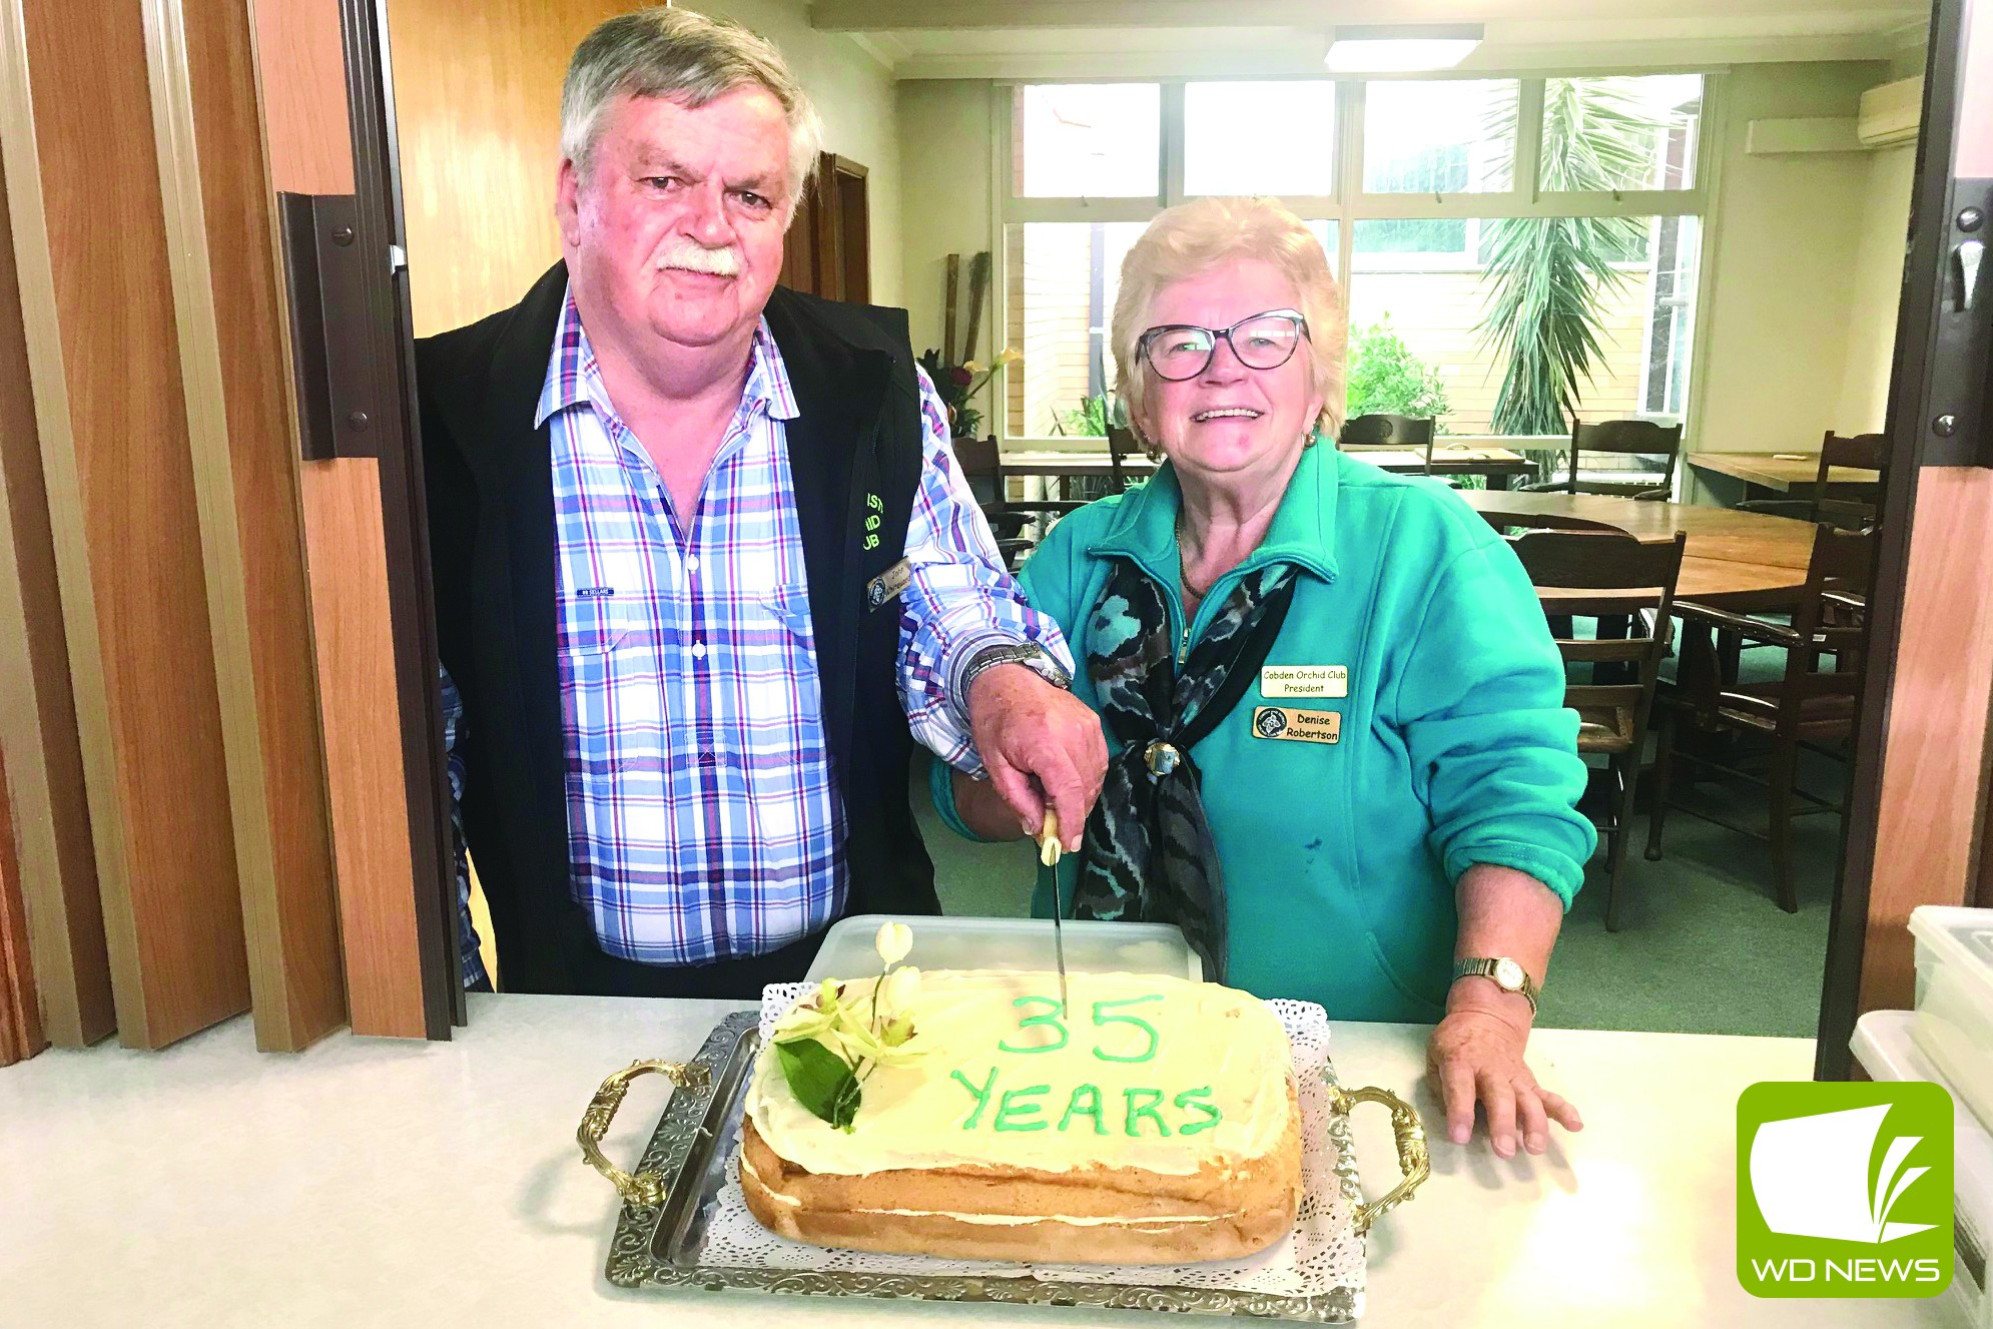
[(1614, 575), (1624, 437), (1388, 433), (1808, 707), (1121, 445), (982, 466), (1867, 451)]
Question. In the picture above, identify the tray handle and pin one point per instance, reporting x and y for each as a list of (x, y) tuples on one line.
[(644, 1187), (1413, 1161)]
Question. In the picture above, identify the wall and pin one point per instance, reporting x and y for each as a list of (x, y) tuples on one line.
[(1786, 280), (1878, 289), (478, 114), (946, 137)]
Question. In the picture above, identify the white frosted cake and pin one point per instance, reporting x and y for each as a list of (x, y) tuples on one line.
[(1157, 1124)]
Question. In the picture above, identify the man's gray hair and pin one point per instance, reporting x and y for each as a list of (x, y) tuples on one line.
[(687, 58)]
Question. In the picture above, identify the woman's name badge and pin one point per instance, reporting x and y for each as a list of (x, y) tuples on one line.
[(1304, 681), (1299, 726)]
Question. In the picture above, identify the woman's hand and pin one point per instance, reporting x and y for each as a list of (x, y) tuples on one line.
[(1476, 1056)]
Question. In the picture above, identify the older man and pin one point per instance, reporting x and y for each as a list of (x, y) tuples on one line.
[(704, 567)]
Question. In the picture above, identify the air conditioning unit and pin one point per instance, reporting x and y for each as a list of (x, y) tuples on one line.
[(1890, 113)]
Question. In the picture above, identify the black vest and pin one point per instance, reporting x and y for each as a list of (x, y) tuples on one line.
[(855, 455)]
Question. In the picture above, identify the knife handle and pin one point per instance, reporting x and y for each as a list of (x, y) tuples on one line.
[(1049, 848)]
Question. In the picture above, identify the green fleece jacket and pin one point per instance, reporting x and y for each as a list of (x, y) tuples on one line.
[(1454, 744)]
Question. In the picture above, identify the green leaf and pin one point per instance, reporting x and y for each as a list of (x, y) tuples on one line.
[(820, 1080)]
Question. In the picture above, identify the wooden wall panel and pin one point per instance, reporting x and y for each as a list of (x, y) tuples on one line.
[(54, 861), (302, 73), (20, 1014), (478, 111), (1928, 821), (122, 507), (225, 275)]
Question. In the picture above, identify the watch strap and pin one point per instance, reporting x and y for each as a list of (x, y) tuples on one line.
[(1484, 966)]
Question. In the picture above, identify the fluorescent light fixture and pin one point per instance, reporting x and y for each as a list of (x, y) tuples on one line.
[(1401, 48)]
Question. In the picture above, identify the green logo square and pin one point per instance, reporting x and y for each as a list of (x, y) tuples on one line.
[(1844, 1190)]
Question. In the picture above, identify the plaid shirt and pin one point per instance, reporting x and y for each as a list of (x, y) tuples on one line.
[(703, 820)]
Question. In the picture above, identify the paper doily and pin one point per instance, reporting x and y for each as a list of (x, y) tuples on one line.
[(1321, 1253)]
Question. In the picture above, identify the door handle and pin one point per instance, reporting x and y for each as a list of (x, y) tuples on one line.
[(1966, 257)]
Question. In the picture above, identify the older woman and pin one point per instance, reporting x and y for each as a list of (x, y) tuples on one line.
[(1341, 758)]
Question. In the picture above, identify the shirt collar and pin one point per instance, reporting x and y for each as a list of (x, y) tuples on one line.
[(1301, 533), (574, 378)]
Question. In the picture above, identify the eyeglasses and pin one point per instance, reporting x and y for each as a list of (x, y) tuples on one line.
[(1180, 351)]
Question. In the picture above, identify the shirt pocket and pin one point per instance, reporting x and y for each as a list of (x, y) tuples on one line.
[(595, 624)]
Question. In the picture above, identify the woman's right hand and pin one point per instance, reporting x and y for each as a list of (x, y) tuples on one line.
[(983, 810)]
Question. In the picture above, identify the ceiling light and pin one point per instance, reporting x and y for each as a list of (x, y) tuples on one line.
[(1401, 48)]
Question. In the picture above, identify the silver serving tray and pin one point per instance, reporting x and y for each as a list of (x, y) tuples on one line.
[(663, 1245)]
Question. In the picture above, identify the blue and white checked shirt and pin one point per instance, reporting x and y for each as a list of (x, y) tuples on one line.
[(703, 821)]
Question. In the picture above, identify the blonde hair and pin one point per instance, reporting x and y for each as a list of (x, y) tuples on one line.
[(1197, 236)]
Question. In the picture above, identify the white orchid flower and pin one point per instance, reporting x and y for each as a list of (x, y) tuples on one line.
[(893, 943)]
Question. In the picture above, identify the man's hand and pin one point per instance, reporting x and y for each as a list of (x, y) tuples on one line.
[(1476, 1056), (1027, 730)]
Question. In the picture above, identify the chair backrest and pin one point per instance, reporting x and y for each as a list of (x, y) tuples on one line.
[(1829, 618), (982, 467), (1393, 433), (1866, 451), (1609, 574), (1121, 445), (1641, 437)]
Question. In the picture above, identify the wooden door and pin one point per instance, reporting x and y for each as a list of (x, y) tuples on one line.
[(328, 117), (1915, 834), (828, 250)]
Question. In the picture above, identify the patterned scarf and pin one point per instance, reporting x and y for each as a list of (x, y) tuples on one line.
[(1148, 855)]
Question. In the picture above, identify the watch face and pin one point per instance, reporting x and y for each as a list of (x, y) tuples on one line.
[(1508, 974)]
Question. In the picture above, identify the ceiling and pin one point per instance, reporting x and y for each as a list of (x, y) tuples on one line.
[(1148, 38)]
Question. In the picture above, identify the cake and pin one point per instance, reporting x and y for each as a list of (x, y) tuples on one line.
[(1158, 1125)]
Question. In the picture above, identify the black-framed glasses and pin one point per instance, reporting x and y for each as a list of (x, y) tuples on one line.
[(1179, 351)]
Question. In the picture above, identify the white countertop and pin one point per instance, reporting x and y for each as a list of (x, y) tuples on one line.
[(370, 1182)]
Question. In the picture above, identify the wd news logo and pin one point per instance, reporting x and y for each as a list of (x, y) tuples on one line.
[(1844, 1190)]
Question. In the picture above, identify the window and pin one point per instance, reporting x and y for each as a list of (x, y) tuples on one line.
[(1259, 138), (1440, 136), (1440, 240), (1089, 140), (1620, 133)]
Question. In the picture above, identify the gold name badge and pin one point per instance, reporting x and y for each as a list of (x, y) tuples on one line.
[(1300, 726), (1304, 681)]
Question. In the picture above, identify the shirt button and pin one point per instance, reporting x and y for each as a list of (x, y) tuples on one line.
[(692, 563), (698, 650)]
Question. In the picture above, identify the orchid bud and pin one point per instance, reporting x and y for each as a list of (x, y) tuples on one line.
[(893, 943)]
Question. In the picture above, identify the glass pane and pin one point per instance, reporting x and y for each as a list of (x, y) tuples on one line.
[(1063, 278), (1326, 232), (1089, 140), (1427, 306), (1260, 138), (1620, 133), (1439, 136)]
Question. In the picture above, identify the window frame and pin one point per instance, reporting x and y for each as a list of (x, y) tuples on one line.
[(1349, 204)]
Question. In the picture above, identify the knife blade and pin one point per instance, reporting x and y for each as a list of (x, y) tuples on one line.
[(1048, 865)]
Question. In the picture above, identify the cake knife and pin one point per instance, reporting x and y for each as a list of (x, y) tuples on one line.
[(1048, 868)]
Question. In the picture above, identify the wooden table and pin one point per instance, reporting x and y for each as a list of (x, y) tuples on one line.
[(1743, 561), (1732, 476)]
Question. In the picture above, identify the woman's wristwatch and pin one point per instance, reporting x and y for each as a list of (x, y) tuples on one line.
[(1507, 975)]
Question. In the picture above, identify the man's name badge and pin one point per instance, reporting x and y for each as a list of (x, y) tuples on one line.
[(1298, 726), (888, 584), (1304, 681)]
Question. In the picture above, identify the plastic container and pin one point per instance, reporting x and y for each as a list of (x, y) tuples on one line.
[(1954, 1024), (1092, 947), (1885, 1047)]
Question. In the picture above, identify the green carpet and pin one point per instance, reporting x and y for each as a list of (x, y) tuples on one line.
[(1703, 946)]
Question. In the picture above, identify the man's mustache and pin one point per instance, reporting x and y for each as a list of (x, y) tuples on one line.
[(691, 256)]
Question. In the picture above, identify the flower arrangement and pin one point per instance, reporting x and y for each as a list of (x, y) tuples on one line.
[(957, 384), (829, 1046)]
